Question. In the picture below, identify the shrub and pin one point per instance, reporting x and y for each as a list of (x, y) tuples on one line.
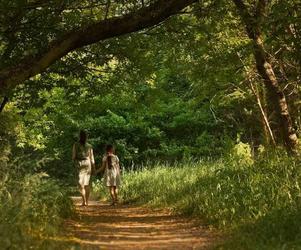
[(32, 209)]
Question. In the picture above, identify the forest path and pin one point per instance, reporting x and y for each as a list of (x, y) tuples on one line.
[(101, 226)]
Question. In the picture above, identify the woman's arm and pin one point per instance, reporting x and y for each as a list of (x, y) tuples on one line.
[(73, 153), (102, 167), (92, 161), (117, 163)]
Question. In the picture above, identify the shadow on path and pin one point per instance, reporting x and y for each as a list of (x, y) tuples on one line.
[(100, 226)]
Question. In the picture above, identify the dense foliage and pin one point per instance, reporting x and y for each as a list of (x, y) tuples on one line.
[(33, 207), (176, 91), (189, 89)]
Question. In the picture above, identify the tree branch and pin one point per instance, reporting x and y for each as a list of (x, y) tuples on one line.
[(104, 29), (261, 8)]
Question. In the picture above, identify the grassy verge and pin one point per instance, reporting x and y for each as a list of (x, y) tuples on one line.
[(32, 209), (258, 204)]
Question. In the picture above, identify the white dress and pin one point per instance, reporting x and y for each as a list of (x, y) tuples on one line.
[(83, 157), (111, 175)]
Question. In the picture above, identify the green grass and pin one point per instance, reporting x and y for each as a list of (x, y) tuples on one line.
[(258, 205), (32, 209)]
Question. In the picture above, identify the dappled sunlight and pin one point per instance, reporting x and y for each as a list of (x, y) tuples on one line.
[(126, 227)]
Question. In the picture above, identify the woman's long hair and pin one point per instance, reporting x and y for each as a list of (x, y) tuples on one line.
[(109, 148), (82, 137)]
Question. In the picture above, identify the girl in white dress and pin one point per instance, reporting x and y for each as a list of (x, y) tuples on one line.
[(111, 168)]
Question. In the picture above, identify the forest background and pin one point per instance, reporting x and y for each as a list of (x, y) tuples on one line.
[(218, 81)]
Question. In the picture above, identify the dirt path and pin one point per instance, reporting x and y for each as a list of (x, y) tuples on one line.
[(100, 226)]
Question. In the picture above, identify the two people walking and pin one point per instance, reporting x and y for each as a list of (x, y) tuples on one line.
[(83, 158)]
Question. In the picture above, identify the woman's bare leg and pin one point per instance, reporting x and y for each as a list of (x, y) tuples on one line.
[(116, 193), (87, 194), (83, 193)]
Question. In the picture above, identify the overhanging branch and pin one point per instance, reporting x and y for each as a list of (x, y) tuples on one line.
[(104, 29)]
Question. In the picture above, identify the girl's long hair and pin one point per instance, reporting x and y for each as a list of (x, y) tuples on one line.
[(110, 165), (109, 148), (82, 137)]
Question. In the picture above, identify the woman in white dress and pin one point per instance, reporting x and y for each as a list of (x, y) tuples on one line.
[(82, 156), (111, 168)]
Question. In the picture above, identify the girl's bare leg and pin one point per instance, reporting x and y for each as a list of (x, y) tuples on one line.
[(112, 194)]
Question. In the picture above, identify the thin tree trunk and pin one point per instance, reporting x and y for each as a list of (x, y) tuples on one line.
[(5, 100), (266, 125), (265, 120), (107, 9), (266, 71)]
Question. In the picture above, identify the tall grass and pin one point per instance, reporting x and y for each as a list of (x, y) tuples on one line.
[(32, 208), (258, 203)]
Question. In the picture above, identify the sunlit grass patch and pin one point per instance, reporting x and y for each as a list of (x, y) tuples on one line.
[(32, 208), (258, 202)]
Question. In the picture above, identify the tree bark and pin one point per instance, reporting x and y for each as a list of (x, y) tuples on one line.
[(268, 133), (265, 70), (104, 29)]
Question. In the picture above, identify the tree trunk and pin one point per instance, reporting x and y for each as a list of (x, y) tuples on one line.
[(266, 125), (278, 98), (266, 71), (5, 100), (267, 131)]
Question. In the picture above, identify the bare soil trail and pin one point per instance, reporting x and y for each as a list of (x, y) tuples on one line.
[(101, 226)]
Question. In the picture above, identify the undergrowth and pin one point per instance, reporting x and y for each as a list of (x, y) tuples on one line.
[(256, 203), (32, 209)]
